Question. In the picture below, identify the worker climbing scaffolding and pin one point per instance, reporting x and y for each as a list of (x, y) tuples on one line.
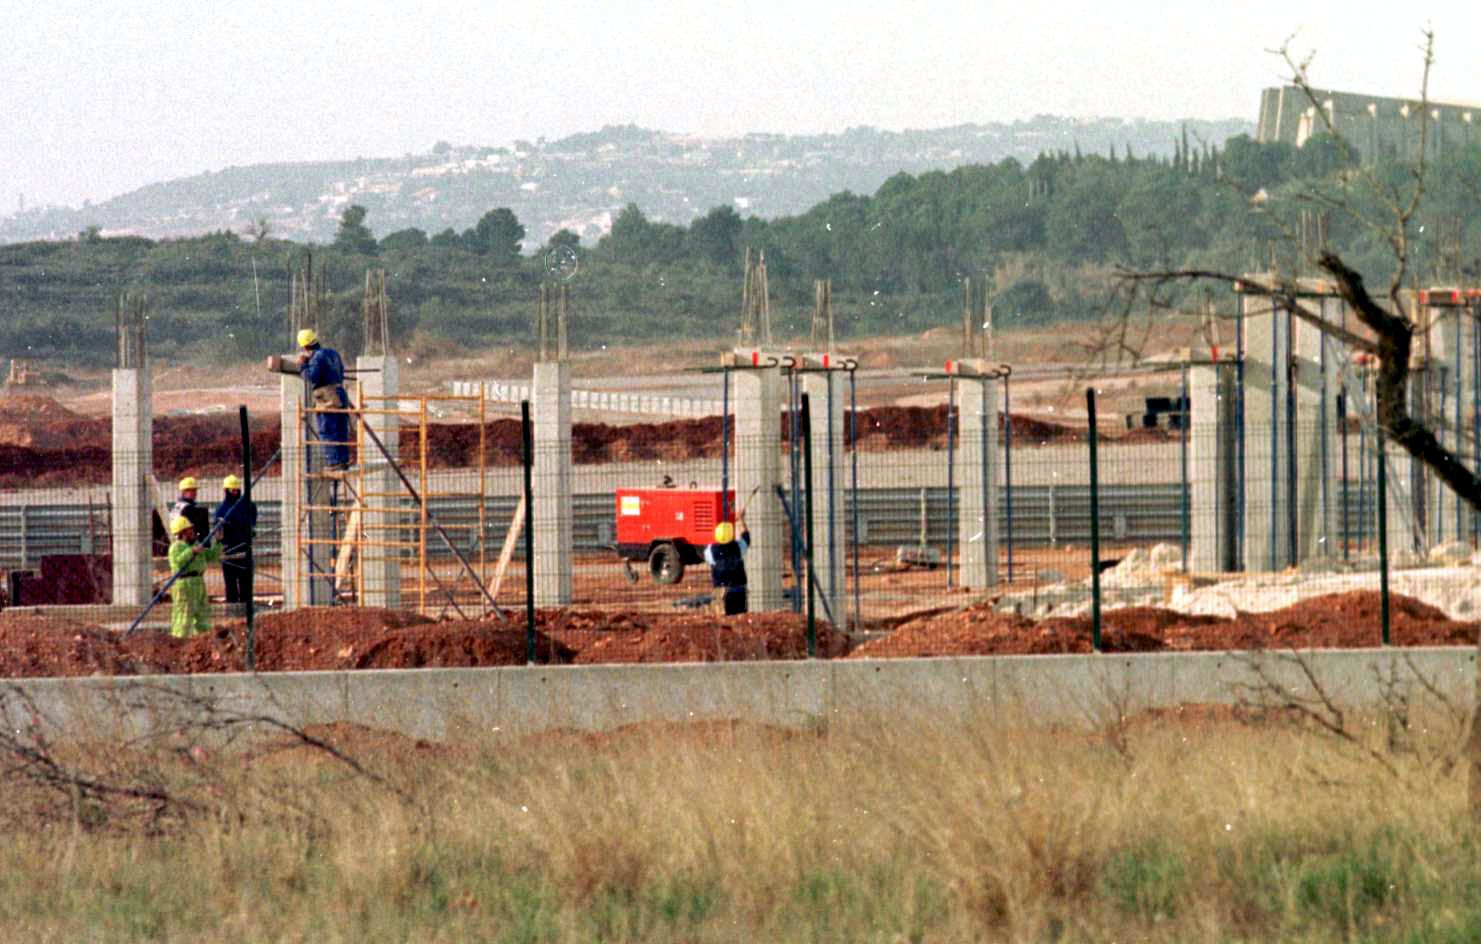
[(323, 371)]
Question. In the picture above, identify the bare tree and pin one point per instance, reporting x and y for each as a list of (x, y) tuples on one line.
[(1391, 321), (260, 229)]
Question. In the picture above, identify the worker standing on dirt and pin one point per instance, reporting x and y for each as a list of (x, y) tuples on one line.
[(726, 558), (236, 518), (190, 613), (186, 507), (323, 370)]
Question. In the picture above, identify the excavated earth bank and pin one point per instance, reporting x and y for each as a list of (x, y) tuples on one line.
[(353, 638)]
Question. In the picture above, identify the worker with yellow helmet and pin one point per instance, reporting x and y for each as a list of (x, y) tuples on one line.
[(324, 371), (190, 611), (188, 508), (236, 521), (726, 557)]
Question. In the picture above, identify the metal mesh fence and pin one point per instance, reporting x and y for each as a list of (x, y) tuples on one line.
[(1203, 522)]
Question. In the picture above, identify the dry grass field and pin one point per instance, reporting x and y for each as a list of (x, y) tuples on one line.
[(1198, 825)]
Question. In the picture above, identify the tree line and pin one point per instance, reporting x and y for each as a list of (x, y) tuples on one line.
[(1048, 236)]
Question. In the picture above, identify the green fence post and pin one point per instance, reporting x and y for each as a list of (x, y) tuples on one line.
[(1382, 536), (1094, 526)]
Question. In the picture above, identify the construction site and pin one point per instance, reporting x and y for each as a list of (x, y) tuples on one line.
[(1233, 493)]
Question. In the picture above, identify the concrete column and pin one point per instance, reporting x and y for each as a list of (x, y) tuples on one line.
[(551, 408), (977, 471), (1284, 386), (827, 394), (1452, 376), (294, 565), (1317, 462), (1267, 350), (758, 445), (133, 502), (1212, 468), (381, 518)]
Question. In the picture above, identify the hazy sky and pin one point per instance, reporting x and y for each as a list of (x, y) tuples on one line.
[(98, 98)]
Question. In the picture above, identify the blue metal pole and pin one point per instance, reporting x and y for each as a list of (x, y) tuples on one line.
[(853, 413), (725, 445)]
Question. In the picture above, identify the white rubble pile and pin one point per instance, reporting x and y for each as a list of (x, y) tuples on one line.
[(1455, 590), (1139, 580), (1144, 568)]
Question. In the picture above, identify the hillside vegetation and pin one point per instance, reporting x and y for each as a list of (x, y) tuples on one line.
[(1047, 236), (582, 181)]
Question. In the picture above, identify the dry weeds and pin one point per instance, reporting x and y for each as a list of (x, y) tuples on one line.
[(1196, 826)]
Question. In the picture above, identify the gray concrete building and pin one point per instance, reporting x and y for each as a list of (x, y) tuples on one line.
[(1372, 124)]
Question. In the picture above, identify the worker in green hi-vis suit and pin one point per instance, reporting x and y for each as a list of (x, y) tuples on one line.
[(190, 613)]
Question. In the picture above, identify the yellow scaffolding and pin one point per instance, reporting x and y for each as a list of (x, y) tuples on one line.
[(380, 507)]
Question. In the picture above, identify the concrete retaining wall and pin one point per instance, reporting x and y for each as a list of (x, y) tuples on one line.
[(436, 703)]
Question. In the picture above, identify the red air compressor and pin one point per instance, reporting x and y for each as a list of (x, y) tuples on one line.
[(668, 527)]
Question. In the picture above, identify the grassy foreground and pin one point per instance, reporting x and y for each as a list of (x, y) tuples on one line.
[(1164, 830)]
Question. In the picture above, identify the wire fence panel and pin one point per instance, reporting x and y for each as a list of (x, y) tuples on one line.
[(1234, 519)]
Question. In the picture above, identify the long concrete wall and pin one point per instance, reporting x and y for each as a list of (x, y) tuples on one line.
[(1080, 690)]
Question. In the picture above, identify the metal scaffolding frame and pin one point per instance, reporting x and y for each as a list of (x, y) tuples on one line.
[(368, 513)]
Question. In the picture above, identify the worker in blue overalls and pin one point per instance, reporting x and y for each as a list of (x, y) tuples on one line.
[(323, 370), (726, 557)]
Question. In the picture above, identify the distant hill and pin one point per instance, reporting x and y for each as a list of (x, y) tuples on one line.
[(582, 181)]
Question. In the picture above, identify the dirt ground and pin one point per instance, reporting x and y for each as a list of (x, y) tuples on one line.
[(353, 638), (44, 443)]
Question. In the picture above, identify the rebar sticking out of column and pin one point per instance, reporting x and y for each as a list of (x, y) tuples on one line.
[(129, 315)]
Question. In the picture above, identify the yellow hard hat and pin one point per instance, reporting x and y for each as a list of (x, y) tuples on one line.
[(724, 532), (179, 524), (307, 336), (188, 483), (231, 482)]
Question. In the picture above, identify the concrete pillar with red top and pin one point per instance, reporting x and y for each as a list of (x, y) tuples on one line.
[(756, 382)]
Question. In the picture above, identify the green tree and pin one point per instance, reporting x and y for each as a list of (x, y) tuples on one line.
[(1082, 224), (635, 239), (563, 238), (498, 234), (716, 236), (353, 235), (404, 240)]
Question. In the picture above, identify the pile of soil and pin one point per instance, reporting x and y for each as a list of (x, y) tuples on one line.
[(304, 640), (600, 637), (1337, 620), (39, 422), (43, 443), (32, 646), (341, 638)]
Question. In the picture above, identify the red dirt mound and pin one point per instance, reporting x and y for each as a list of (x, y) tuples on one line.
[(983, 631), (472, 643), (40, 422), (599, 637), (1339, 620), (45, 646)]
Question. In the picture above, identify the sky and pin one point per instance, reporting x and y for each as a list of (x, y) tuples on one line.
[(99, 98)]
